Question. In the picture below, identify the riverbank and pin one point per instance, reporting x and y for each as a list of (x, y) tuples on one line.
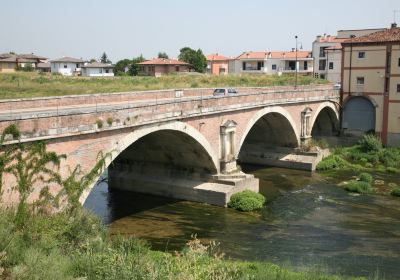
[(368, 156), (71, 246), (22, 84)]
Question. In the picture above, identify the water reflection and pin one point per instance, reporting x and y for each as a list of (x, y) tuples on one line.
[(307, 222)]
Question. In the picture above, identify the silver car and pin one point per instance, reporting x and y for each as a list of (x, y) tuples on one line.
[(224, 92)]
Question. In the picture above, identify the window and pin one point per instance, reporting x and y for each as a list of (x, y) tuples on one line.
[(399, 62), (107, 71), (177, 68), (77, 65), (65, 65), (322, 64), (361, 54), (330, 65), (398, 87), (273, 66), (260, 64), (360, 80), (322, 51), (244, 65), (305, 65)]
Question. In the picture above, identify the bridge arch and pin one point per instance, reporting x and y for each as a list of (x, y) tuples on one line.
[(179, 134), (272, 126), (325, 120)]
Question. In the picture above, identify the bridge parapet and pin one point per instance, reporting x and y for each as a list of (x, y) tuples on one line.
[(135, 109)]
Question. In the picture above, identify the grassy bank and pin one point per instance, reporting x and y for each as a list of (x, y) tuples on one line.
[(22, 84), (368, 156), (68, 246)]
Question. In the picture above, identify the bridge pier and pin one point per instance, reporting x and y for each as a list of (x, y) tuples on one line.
[(215, 190)]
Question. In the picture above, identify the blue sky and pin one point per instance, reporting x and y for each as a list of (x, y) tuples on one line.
[(124, 29)]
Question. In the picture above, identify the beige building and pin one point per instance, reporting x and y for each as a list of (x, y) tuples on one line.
[(162, 66), (371, 85), (217, 64), (10, 62)]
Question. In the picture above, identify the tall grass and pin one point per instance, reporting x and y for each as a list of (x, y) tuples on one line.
[(22, 84)]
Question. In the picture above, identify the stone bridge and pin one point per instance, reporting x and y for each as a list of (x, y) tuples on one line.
[(179, 143)]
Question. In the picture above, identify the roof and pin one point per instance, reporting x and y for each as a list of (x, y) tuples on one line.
[(22, 57), (12, 58), (329, 39), (216, 57), (334, 48), (274, 55), (163, 61), (387, 35), (67, 59), (31, 56), (30, 60), (97, 65), (43, 65)]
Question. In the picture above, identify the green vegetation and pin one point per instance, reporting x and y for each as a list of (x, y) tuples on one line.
[(195, 58), (99, 124), (368, 155), (246, 201), (359, 187), (21, 84), (395, 191), (366, 177), (109, 121)]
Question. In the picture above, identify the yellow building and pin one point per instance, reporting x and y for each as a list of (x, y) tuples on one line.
[(371, 85)]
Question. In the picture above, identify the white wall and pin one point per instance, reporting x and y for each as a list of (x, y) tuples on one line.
[(97, 72), (334, 75), (58, 67)]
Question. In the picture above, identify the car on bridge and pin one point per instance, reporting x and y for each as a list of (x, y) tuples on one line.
[(224, 92)]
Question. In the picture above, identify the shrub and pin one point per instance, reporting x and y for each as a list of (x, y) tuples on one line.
[(370, 143), (331, 162), (246, 201), (359, 187), (109, 121), (366, 177), (391, 170), (99, 123), (395, 192)]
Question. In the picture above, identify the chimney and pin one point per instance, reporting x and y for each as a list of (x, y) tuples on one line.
[(394, 25)]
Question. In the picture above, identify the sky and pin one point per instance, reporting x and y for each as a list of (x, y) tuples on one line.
[(127, 28)]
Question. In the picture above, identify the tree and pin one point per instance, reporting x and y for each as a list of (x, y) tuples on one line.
[(120, 66), (92, 60), (195, 58), (134, 68), (104, 58), (163, 55)]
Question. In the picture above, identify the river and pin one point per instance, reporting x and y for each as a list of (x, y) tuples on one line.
[(308, 222)]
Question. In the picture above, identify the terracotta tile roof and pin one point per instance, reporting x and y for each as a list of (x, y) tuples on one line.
[(67, 59), (163, 61), (387, 35), (335, 47), (274, 55), (216, 57), (329, 39), (97, 65)]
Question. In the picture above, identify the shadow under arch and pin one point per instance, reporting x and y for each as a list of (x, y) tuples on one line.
[(171, 149), (272, 130), (325, 121)]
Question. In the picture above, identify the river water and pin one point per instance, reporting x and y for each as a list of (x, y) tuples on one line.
[(308, 222)]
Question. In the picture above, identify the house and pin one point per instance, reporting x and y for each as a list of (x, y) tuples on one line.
[(43, 67), (327, 53), (67, 66), (11, 62), (217, 64), (162, 66), (97, 69), (370, 94), (272, 62)]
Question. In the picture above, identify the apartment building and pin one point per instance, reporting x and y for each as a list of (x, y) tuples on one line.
[(371, 85), (327, 53), (272, 62)]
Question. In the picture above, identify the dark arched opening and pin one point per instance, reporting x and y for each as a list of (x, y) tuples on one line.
[(326, 124), (358, 115)]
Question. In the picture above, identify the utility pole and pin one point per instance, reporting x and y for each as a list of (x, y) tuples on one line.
[(295, 66)]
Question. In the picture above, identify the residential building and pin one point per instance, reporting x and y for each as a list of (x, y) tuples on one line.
[(217, 64), (97, 69), (162, 66), (10, 62), (327, 53), (272, 63), (43, 67), (371, 85), (67, 66)]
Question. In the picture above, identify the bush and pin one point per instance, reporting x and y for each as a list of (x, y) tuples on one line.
[(331, 162), (370, 143), (395, 192), (99, 124), (359, 187), (109, 121), (366, 177), (391, 170), (246, 201)]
